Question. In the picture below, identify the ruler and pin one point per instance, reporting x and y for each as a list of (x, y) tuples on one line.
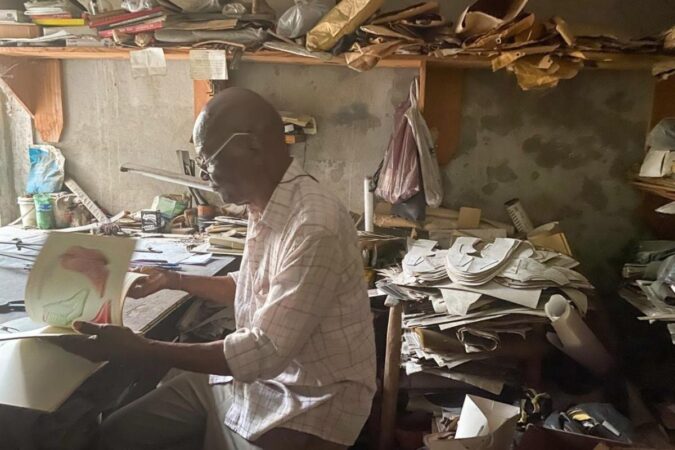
[(87, 201)]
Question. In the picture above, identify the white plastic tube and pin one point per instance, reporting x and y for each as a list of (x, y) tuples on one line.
[(368, 205)]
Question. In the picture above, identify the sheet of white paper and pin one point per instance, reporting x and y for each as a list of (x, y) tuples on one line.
[(579, 299), (422, 245), (198, 259), (208, 65), (668, 208), (524, 297), (657, 163), (38, 375), (483, 417), (459, 302), (147, 62), (78, 277)]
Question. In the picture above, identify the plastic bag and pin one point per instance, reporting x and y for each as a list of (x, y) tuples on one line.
[(46, 169), (431, 174), (137, 5), (398, 177), (301, 17)]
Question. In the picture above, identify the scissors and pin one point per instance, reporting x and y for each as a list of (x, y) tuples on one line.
[(12, 306)]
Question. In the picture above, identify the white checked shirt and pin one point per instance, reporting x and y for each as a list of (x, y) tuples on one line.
[(303, 354)]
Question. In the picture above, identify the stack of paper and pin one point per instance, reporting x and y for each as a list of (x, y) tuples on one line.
[(473, 311), (652, 286)]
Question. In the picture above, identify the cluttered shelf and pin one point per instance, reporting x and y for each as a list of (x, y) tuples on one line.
[(599, 60)]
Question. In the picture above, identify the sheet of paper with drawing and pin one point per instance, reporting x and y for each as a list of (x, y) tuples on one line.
[(77, 277)]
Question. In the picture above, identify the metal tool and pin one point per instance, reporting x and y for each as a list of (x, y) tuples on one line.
[(12, 306), (22, 257), (19, 244), (165, 175)]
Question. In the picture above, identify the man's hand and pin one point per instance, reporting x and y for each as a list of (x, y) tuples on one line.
[(104, 343), (156, 280)]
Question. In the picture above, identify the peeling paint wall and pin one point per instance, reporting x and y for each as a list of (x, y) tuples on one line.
[(563, 151)]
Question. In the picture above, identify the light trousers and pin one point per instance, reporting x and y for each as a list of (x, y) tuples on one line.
[(187, 413)]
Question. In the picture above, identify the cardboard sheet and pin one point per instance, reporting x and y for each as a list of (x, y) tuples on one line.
[(77, 277), (483, 425)]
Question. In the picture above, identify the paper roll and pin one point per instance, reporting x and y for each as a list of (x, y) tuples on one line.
[(574, 337)]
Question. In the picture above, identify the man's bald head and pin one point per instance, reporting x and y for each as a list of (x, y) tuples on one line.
[(239, 110), (242, 135)]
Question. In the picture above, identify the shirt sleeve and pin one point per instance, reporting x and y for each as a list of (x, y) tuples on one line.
[(298, 296), (234, 276)]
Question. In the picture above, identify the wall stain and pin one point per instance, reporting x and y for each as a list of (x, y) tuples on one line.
[(534, 175), (468, 134), (552, 153), (356, 115), (619, 102), (502, 173), (502, 124), (489, 188), (592, 193)]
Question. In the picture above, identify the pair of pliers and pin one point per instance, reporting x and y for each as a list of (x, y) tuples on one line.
[(12, 306)]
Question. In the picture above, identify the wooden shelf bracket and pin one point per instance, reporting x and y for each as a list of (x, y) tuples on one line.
[(36, 84)]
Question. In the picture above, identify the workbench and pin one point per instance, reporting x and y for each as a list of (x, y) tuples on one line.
[(73, 423)]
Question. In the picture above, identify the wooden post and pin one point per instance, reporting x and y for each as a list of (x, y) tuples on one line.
[(202, 94), (36, 84), (392, 363), (442, 94)]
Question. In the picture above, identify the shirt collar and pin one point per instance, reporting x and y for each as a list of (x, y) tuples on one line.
[(278, 208)]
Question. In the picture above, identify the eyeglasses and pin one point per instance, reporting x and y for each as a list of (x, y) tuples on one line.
[(204, 163)]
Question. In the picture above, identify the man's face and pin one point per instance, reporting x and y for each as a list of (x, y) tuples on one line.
[(226, 157)]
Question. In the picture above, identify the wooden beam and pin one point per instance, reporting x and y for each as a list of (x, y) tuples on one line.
[(443, 108), (202, 94), (36, 84), (392, 371), (663, 104)]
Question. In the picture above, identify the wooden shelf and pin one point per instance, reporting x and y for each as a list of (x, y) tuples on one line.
[(600, 60)]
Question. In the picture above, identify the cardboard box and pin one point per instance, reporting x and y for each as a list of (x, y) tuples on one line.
[(20, 30)]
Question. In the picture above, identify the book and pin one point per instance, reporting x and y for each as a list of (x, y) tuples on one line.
[(59, 22), (63, 15), (132, 21), (134, 29), (75, 277), (97, 22), (76, 31)]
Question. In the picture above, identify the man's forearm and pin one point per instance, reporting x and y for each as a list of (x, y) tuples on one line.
[(215, 289), (203, 357)]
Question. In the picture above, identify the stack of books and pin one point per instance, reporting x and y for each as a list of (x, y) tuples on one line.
[(60, 13), (122, 21)]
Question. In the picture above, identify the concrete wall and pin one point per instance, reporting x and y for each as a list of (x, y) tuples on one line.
[(564, 151)]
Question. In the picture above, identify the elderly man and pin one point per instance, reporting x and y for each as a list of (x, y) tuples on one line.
[(299, 371)]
